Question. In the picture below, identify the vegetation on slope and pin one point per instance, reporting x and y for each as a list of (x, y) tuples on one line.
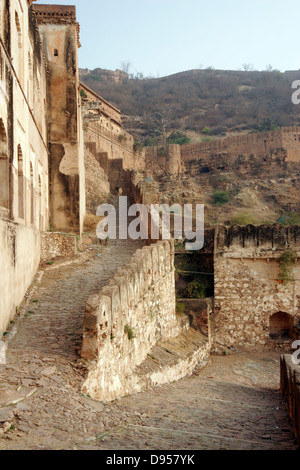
[(208, 102)]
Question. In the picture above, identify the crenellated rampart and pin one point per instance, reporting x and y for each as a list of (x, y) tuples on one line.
[(256, 144), (256, 241), (257, 153)]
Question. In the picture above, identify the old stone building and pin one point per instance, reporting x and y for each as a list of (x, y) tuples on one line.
[(112, 147), (41, 150), (24, 181), (59, 35), (255, 306)]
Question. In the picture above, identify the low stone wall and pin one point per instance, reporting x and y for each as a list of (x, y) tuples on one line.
[(20, 249), (290, 389), (57, 245), (127, 318)]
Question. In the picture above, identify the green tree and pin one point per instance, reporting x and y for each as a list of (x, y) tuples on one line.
[(220, 197), (178, 138)]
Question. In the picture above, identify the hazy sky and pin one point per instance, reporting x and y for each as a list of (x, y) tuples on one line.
[(161, 37)]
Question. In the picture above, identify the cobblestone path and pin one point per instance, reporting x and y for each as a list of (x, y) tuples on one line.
[(54, 320), (233, 403)]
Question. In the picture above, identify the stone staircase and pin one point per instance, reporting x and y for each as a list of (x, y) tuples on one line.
[(119, 178)]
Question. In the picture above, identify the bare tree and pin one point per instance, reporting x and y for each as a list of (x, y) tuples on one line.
[(247, 67), (269, 68), (126, 66), (162, 122)]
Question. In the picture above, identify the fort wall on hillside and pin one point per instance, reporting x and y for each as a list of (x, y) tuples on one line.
[(240, 153), (256, 143)]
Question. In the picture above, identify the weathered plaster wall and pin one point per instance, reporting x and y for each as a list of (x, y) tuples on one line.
[(59, 31), (19, 260), (81, 169), (140, 299), (23, 153), (24, 210), (247, 289)]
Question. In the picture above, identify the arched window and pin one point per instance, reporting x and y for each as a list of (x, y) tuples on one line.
[(40, 204), (1, 19), (38, 104), (2, 67), (20, 183), (32, 198), (55, 53), (281, 324), (19, 60), (30, 81), (4, 168)]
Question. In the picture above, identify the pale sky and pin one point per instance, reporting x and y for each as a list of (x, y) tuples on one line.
[(161, 37)]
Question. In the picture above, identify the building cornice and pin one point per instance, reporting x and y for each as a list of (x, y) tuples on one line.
[(57, 14)]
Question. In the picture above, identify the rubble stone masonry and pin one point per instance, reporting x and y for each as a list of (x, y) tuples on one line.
[(127, 318), (248, 292)]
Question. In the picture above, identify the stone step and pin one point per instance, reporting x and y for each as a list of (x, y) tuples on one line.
[(170, 361)]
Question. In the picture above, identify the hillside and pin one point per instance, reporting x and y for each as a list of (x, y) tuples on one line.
[(199, 103)]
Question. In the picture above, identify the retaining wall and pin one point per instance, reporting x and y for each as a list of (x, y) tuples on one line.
[(290, 389)]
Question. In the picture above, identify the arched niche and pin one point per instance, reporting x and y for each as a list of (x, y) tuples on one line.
[(4, 168)]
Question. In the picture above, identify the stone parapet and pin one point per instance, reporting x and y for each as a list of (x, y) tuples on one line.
[(127, 318), (104, 106), (56, 14), (256, 241)]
